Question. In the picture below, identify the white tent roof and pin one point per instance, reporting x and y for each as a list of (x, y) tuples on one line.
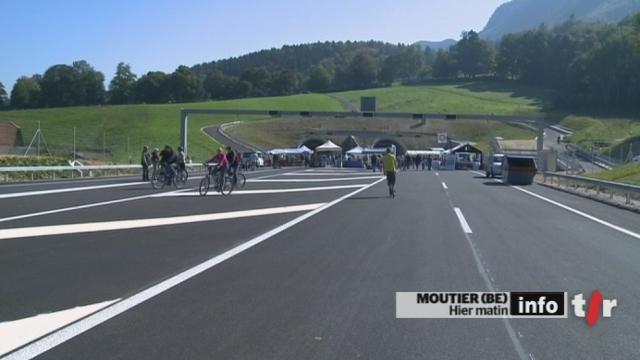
[(329, 146), (423, 152), (356, 150), (305, 150)]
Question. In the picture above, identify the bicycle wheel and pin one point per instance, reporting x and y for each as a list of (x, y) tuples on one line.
[(158, 181), (181, 178), (227, 185), (204, 186), (242, 180)]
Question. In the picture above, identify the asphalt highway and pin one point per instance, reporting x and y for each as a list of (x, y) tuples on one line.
[(305, 264)]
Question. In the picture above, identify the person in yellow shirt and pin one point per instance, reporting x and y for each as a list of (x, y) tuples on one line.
[(390, 167)]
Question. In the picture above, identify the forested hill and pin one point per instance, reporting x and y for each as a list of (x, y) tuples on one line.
[(520, 15)]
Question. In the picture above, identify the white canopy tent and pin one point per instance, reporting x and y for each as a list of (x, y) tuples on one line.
[(423, 153), (298, 151), (329, 146)]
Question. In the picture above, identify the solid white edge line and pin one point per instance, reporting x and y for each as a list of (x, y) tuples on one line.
[(463, 222), (60, 336), (580, 213)]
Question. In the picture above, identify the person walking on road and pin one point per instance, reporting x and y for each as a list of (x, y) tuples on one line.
[(374, 162), (155, 161), (429, 163), (145, 161), (390, 168)]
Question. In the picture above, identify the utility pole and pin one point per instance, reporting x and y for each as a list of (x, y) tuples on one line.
[(74, 145), (39, 136)]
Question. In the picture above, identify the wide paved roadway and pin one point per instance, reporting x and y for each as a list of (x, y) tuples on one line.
[(305, 264)]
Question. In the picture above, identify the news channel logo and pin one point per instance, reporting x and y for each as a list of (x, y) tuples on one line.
[(499, 305)]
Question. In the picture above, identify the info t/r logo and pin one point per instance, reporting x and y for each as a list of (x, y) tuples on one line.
[(597, 306)]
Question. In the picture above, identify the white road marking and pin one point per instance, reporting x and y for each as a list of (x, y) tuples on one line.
[(445, 186), (54, 339), (353, 173), (144, 223), (312, 180), (437, 174), (86, 206), (264, 191), (17, 333), (64, 190), (463, 222), (575, 211), (580, 213)]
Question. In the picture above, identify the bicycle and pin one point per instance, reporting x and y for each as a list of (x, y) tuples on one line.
[(240, 180), (222, 182), (159, 179)]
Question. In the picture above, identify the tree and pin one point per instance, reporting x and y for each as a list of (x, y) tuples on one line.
[(26, 93), (443, 66), (185, 85), (153, 87), (410, 61), (388, 72), (122, 86), (58, 86), (473, 56), (217, 85), (283, 82), (89, 84), (3, 96), (362, 71), (259, 78), (319, 79)]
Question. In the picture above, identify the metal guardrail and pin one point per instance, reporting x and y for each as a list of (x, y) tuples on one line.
[(630, 192), (77, 169)]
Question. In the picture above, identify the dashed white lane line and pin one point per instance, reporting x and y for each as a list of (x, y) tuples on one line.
[(463, 222), (54, 339), (87, 206), (17, 333), (444, 186), (312, 180), (144, 223), (264, 191), (65, 190)]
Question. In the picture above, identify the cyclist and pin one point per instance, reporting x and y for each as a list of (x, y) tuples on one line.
[(390, 167), (234, 163), (222, 164), (181, 159), (168, 161)]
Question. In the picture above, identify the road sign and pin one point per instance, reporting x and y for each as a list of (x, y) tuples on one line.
[(443, 138)]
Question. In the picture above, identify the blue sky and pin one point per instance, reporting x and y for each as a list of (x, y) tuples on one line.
[(162, 34)]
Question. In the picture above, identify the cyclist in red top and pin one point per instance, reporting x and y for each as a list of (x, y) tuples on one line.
[(221, 161)]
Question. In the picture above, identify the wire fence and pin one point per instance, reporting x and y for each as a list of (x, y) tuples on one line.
[(93, 145)]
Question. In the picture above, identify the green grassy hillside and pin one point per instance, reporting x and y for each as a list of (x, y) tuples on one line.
[(629, 174), (136, 125), (467, 98)]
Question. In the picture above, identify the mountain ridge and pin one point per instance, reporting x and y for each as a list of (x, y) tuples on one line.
[(522, 15)]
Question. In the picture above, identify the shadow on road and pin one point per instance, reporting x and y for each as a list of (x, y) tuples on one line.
[(494, 183), (369, 197)]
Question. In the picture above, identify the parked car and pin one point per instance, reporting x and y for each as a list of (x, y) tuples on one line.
[(252, 160), (493, 167), (519, 170)]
